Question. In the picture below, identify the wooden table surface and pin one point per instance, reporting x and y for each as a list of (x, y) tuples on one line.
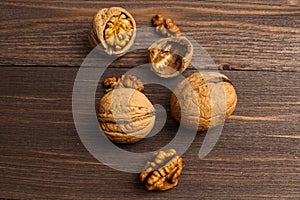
[(258, 154)]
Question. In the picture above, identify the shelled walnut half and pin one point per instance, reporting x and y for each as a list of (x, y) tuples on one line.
[(162, 173), (165, 26), (203, 100), (170, 56), (125, 81), (114, 28)]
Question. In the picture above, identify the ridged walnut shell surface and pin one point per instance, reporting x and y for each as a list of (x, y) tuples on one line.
[(121, 30), (126, 115), (203, 100), (169, 57)]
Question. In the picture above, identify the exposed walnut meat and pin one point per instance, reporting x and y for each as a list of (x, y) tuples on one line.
[(110, 82), (165, 26), (114, 28), (169, 57), (172, 27), (157, 20), (162, 173), (125, 81)]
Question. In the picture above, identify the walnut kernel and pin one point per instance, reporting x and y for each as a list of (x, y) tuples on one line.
[(165, 26), (125, 81), (162, 173), (114, 28), (170, 56)]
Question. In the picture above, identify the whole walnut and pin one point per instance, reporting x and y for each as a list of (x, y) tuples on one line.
[(126, 115), (203, 100)]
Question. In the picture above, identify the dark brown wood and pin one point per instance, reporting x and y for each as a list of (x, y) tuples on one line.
[(256, 157), (256, 43), (251, 35)]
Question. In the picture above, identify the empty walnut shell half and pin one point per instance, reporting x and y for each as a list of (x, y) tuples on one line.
[(203, 100), (114, 28), (162, 173), (170, 56), (126, 115)]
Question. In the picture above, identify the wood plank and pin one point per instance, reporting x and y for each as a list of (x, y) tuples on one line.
[(256, 157), (253, 35)]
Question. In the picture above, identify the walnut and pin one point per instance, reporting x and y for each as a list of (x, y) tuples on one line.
[(170, 56), (165, 26), (110, 82), (213, 91), (125, 81), (114, 28), (162, 173), (126, 115)]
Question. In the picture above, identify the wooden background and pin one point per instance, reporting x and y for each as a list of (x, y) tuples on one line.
[(258, 154)]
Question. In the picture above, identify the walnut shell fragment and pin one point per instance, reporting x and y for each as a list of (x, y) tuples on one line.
[(169, 57), (126, 115), (162, 173), (203, 100), (114, 28)]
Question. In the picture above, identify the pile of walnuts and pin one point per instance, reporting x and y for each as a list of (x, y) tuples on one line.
[(201, 101)]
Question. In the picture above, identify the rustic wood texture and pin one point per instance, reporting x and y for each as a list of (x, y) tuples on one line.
[(248, 35), (258, 154)]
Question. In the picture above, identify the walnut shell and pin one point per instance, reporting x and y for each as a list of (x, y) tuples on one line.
[(170, 56), (126, 115), (114, 28), (208, 109)]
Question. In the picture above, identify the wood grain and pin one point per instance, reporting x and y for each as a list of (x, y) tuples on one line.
[(256, 43), (246, 35), (256, 157)]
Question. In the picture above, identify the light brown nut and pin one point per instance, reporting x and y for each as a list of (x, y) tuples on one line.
[(165, 26), (162, 173), (172, 28), (126, 115), (203, 100), (157, 20), (169, 57), (114, 28), (125, 81)]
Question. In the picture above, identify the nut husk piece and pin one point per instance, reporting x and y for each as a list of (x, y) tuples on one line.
[(162, 173), (169, 57), (126, 115), (203, 100), (114, 28)]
